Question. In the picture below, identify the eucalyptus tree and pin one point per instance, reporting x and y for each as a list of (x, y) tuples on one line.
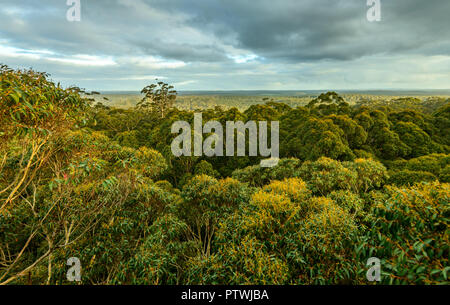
[(158, 97)]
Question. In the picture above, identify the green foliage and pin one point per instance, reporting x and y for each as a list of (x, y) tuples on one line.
[(283, 224), (160, 259), (348, 201), (31, 104), (205, 168), (434, 164), (327, 98), (417, 139), (355, 134), (441, 119), (259, 176), (316, 138), (370, 174), (411, 235), (407, 177), (158, 97), (205, 195), (326, 175), (77, 180), (445, 175)]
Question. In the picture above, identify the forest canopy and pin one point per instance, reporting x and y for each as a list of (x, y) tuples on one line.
[(83, 179)]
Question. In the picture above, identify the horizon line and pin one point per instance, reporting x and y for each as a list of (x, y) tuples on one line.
[(282, 90)]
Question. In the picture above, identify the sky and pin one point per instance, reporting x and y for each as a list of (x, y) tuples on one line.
[(231, 44)]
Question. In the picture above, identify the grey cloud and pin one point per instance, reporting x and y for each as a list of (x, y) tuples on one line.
[(208, 35), (290, 30)]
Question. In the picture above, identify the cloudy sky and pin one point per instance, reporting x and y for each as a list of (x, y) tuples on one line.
[(231, 44)]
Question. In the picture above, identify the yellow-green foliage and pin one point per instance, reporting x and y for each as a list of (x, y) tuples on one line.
[(165, 185), (326, 175), (295, 230), (325, 240), (294, 188), (229, 192), (161, 259), (445, 174), (269, 213), (259, 176), (407, 177), (326, 224), (350, 202), (210, 193), (425, 168), (149, 162), (277, 206), (370, 174), (31, 105), (251, 264), (411, 235), (154, 197), (198, 189)]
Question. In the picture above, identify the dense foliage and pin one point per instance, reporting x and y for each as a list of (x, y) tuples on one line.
[(101, 184)]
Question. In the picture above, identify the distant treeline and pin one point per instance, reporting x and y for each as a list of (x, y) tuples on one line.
[(328, 126)]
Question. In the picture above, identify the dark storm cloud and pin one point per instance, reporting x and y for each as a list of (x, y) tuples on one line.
[(214, 43), (311, 29)]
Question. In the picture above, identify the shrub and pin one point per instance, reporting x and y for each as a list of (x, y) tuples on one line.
[(301, 235), (350, 202), (407, 177), (326, 175), (205, 168), (293, 188), (259, 176), (411, 235), (445, 175), (370, 174), (161, 259)]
